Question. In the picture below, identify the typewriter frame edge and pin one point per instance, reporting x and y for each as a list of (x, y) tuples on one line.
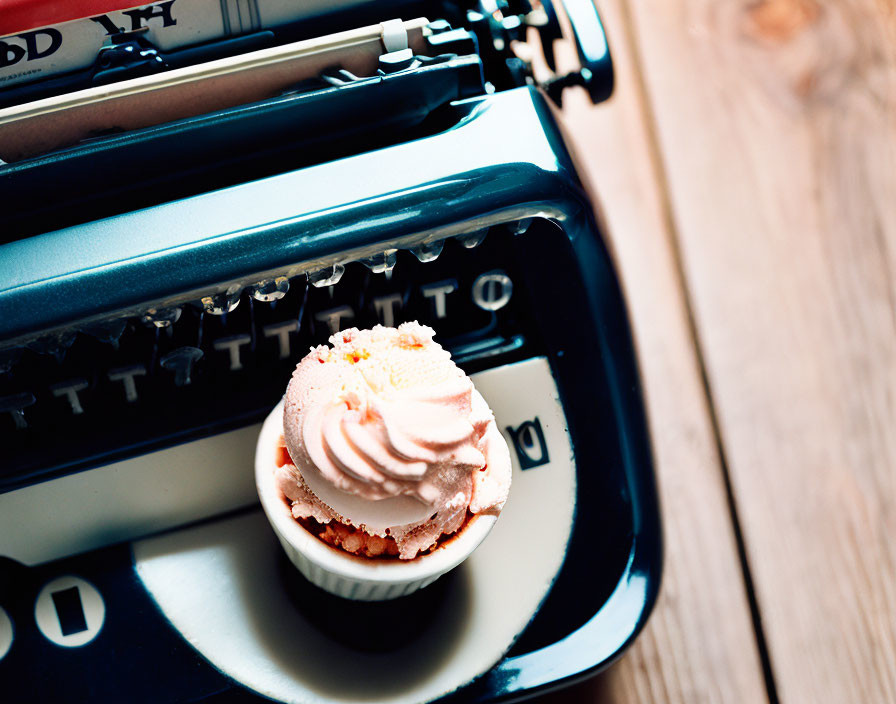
[(544, 184)]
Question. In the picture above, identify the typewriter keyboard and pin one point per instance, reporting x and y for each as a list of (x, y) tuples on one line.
[(133, 385)]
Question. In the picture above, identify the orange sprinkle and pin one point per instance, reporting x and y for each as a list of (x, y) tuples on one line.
[(355, 357)]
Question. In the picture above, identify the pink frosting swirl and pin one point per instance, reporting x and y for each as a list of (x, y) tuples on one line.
[(413, 442), (388, 434)]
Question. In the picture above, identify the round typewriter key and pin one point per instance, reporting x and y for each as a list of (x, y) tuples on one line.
[(6, 633), (270, 289), (492, 290), (69, 611), (474, 239), (161, 317), (381, 263), (328, 276), (429, 252), (223, 302)]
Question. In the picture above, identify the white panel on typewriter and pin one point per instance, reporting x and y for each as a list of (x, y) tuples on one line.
[(220, 584), (129, 499)]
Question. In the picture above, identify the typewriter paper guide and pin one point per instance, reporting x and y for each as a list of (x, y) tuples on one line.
[(45, 38), (47, 124), (238, 614)]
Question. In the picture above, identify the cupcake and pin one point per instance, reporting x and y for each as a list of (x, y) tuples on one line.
[(383, 467)]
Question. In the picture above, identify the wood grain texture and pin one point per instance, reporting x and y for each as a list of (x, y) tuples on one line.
[(699, 645), (776, 121)]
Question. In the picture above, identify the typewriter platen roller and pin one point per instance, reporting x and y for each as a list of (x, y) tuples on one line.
[(158, 284)]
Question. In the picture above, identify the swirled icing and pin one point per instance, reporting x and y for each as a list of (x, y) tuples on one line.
[(387, 434)]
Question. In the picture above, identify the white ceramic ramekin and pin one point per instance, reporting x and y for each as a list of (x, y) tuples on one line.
[(337, 571)]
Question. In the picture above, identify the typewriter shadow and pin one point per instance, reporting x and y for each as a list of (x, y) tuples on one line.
[(375, 627), (255, 618), (365, 650)]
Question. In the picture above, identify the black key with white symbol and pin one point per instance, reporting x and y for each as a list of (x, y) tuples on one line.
[(492, 290), (529, 443), (69, 611)]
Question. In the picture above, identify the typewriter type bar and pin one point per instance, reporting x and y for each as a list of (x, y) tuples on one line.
[(60, 121), (322, 118)]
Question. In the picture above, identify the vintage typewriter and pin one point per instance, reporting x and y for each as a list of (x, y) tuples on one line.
[(159, 282)]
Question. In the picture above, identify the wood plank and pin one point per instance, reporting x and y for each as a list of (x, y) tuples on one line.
[(699, 644), (777, 126)]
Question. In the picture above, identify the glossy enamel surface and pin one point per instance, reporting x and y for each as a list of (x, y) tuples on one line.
[(502, 160)]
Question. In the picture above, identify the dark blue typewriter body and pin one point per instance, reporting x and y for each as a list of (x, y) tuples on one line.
[(157, 288)]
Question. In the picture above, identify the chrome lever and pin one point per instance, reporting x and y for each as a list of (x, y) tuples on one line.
[(596, 64)]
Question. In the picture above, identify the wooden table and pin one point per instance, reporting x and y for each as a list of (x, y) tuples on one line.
[(747, 167)]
